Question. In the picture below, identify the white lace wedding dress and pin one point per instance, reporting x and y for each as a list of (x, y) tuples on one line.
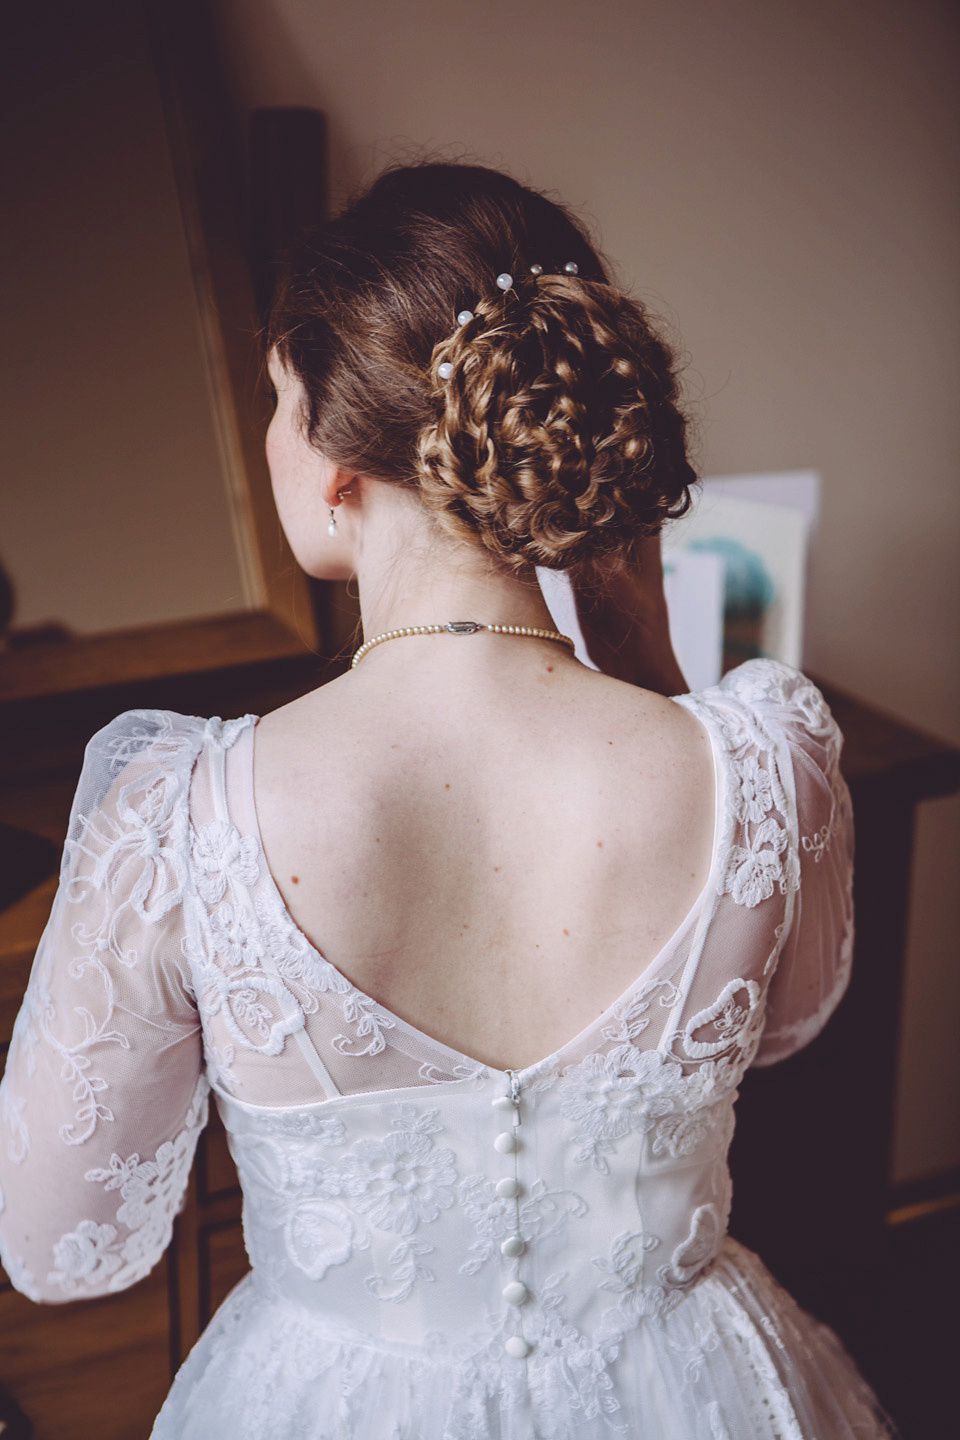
[(439, 1250)]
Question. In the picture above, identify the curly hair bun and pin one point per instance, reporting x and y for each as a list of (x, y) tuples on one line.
[(547, 428), (557, 439)]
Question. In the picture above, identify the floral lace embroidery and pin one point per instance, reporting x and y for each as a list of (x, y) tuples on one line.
[(700, 1246), (324, 1208), (607, 1096), (540, 1213), (320, 1234), (250, 954), (625, 1265), (307, 975), (406, 1270), (736, 1011), (12, 1108), (751, 875), (631, 1015), (151, 1192), (130, 861), (766, 862), (579, 1378), (401, 1181), (753, 794), (222, 858)]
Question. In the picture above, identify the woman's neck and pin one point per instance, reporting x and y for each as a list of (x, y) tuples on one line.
[(409, 573)]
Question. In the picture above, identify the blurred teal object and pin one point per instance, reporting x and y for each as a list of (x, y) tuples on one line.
[(748, 593), (746, 581)]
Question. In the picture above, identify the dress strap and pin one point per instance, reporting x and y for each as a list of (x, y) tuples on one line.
[(721, 840), (291, 1008)]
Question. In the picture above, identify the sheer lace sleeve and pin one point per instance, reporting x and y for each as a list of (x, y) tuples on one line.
[(104, 1095), (813, 968)]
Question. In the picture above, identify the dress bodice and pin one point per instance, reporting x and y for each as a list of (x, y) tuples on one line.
[(494, 1210)]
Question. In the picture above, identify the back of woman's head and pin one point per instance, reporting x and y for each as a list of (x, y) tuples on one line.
[(546, 427)]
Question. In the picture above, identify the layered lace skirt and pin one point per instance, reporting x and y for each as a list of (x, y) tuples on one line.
[(736, 1359)]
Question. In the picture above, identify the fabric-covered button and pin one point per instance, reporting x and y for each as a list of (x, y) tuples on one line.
[(503, 1103), (506, 1143), (508, 1188), (511, 1247), (515, 1293), (517, 1347)]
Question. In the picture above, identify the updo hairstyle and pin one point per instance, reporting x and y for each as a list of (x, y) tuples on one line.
[(557, 439)]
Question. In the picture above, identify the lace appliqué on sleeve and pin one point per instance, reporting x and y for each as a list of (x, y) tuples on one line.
[(99, 1256)]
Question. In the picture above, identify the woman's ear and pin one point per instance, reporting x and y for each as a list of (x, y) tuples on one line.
[(336, 483)]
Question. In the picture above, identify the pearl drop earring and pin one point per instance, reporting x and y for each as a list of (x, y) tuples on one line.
[(332, 522)]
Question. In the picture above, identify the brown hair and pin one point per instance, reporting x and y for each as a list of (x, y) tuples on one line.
[(558, 438)]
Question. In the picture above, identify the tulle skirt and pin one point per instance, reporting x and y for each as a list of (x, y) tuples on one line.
[(737, 1359)]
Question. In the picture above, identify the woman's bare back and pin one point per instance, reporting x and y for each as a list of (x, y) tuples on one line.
[(493, 845)]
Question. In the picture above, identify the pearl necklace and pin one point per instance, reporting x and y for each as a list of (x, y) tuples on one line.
[(461, 627)]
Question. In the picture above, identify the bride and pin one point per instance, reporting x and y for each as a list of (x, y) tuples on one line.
[(474, 943)]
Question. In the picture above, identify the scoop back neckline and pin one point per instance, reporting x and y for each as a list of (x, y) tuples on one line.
[(460, 1057)]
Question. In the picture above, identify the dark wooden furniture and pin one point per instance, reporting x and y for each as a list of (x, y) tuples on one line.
[(812, 1154)]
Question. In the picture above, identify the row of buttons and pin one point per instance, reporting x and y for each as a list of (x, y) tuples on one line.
[(506, 1143)]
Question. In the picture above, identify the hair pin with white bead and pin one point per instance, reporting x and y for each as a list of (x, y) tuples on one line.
[(504, 283)]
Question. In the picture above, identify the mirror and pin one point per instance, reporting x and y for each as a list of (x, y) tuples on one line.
[(137, 529)]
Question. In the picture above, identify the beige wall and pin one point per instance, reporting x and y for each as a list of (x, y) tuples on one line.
[(781, 181)]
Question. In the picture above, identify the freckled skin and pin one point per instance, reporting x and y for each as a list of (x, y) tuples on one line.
[(294, 879)]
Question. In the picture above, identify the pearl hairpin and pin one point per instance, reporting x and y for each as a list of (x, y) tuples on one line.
[(504, 283)]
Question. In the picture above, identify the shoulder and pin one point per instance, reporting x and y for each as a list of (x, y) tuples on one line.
[(783, 747), (152, 740), (775, 705), (129, 822), (140, 764)]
